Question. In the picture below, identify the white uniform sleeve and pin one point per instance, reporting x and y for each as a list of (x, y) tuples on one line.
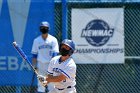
[(34, 48), (55, 46), (70, 72)]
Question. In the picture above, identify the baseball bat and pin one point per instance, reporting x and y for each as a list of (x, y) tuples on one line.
[(23, 55)]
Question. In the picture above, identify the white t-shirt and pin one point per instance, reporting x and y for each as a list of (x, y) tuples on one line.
[(68, 68), (45, 48)]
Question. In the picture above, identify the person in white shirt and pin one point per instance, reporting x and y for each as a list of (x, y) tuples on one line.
[(62, 70), (44, 48)]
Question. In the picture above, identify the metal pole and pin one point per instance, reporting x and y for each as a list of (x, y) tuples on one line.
[(64, 19)]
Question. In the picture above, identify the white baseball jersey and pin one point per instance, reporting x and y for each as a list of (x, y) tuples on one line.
[(45, 48), (68, 68)]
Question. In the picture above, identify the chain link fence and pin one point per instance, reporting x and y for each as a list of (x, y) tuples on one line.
[(111, 78), (103, 78)]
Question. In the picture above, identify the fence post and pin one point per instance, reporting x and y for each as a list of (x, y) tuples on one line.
[(64, 19)]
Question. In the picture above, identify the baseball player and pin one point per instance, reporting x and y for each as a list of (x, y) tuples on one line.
[(62, 70), (44, 48)]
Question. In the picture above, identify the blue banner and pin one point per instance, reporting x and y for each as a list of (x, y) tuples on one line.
[(19, 21)]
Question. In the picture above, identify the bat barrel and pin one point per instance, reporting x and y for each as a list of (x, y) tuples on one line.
[(22, 54)]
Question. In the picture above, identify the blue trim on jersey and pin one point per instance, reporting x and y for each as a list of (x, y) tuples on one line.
[(54, 54), (60, 71), (64, 73), (34, 55), (49, 72)]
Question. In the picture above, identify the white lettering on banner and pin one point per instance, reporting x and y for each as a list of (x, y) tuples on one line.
[(2, 63), (24, 65), (106, 50), (19, 14), (99, 38), (90, 33), (11, 63)]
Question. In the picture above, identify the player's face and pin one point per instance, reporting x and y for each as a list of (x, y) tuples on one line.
[(44, 29), (65, 47), (64, 51)]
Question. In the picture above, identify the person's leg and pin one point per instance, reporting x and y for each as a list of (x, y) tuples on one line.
[(53, 91), (41, 71), (50, 86), (40, 89)]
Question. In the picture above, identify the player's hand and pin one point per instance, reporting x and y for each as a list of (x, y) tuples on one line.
[(45, 83), (41, 78)]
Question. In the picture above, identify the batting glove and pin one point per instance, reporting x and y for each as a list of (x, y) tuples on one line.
[(41, 78), (44, 83)]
